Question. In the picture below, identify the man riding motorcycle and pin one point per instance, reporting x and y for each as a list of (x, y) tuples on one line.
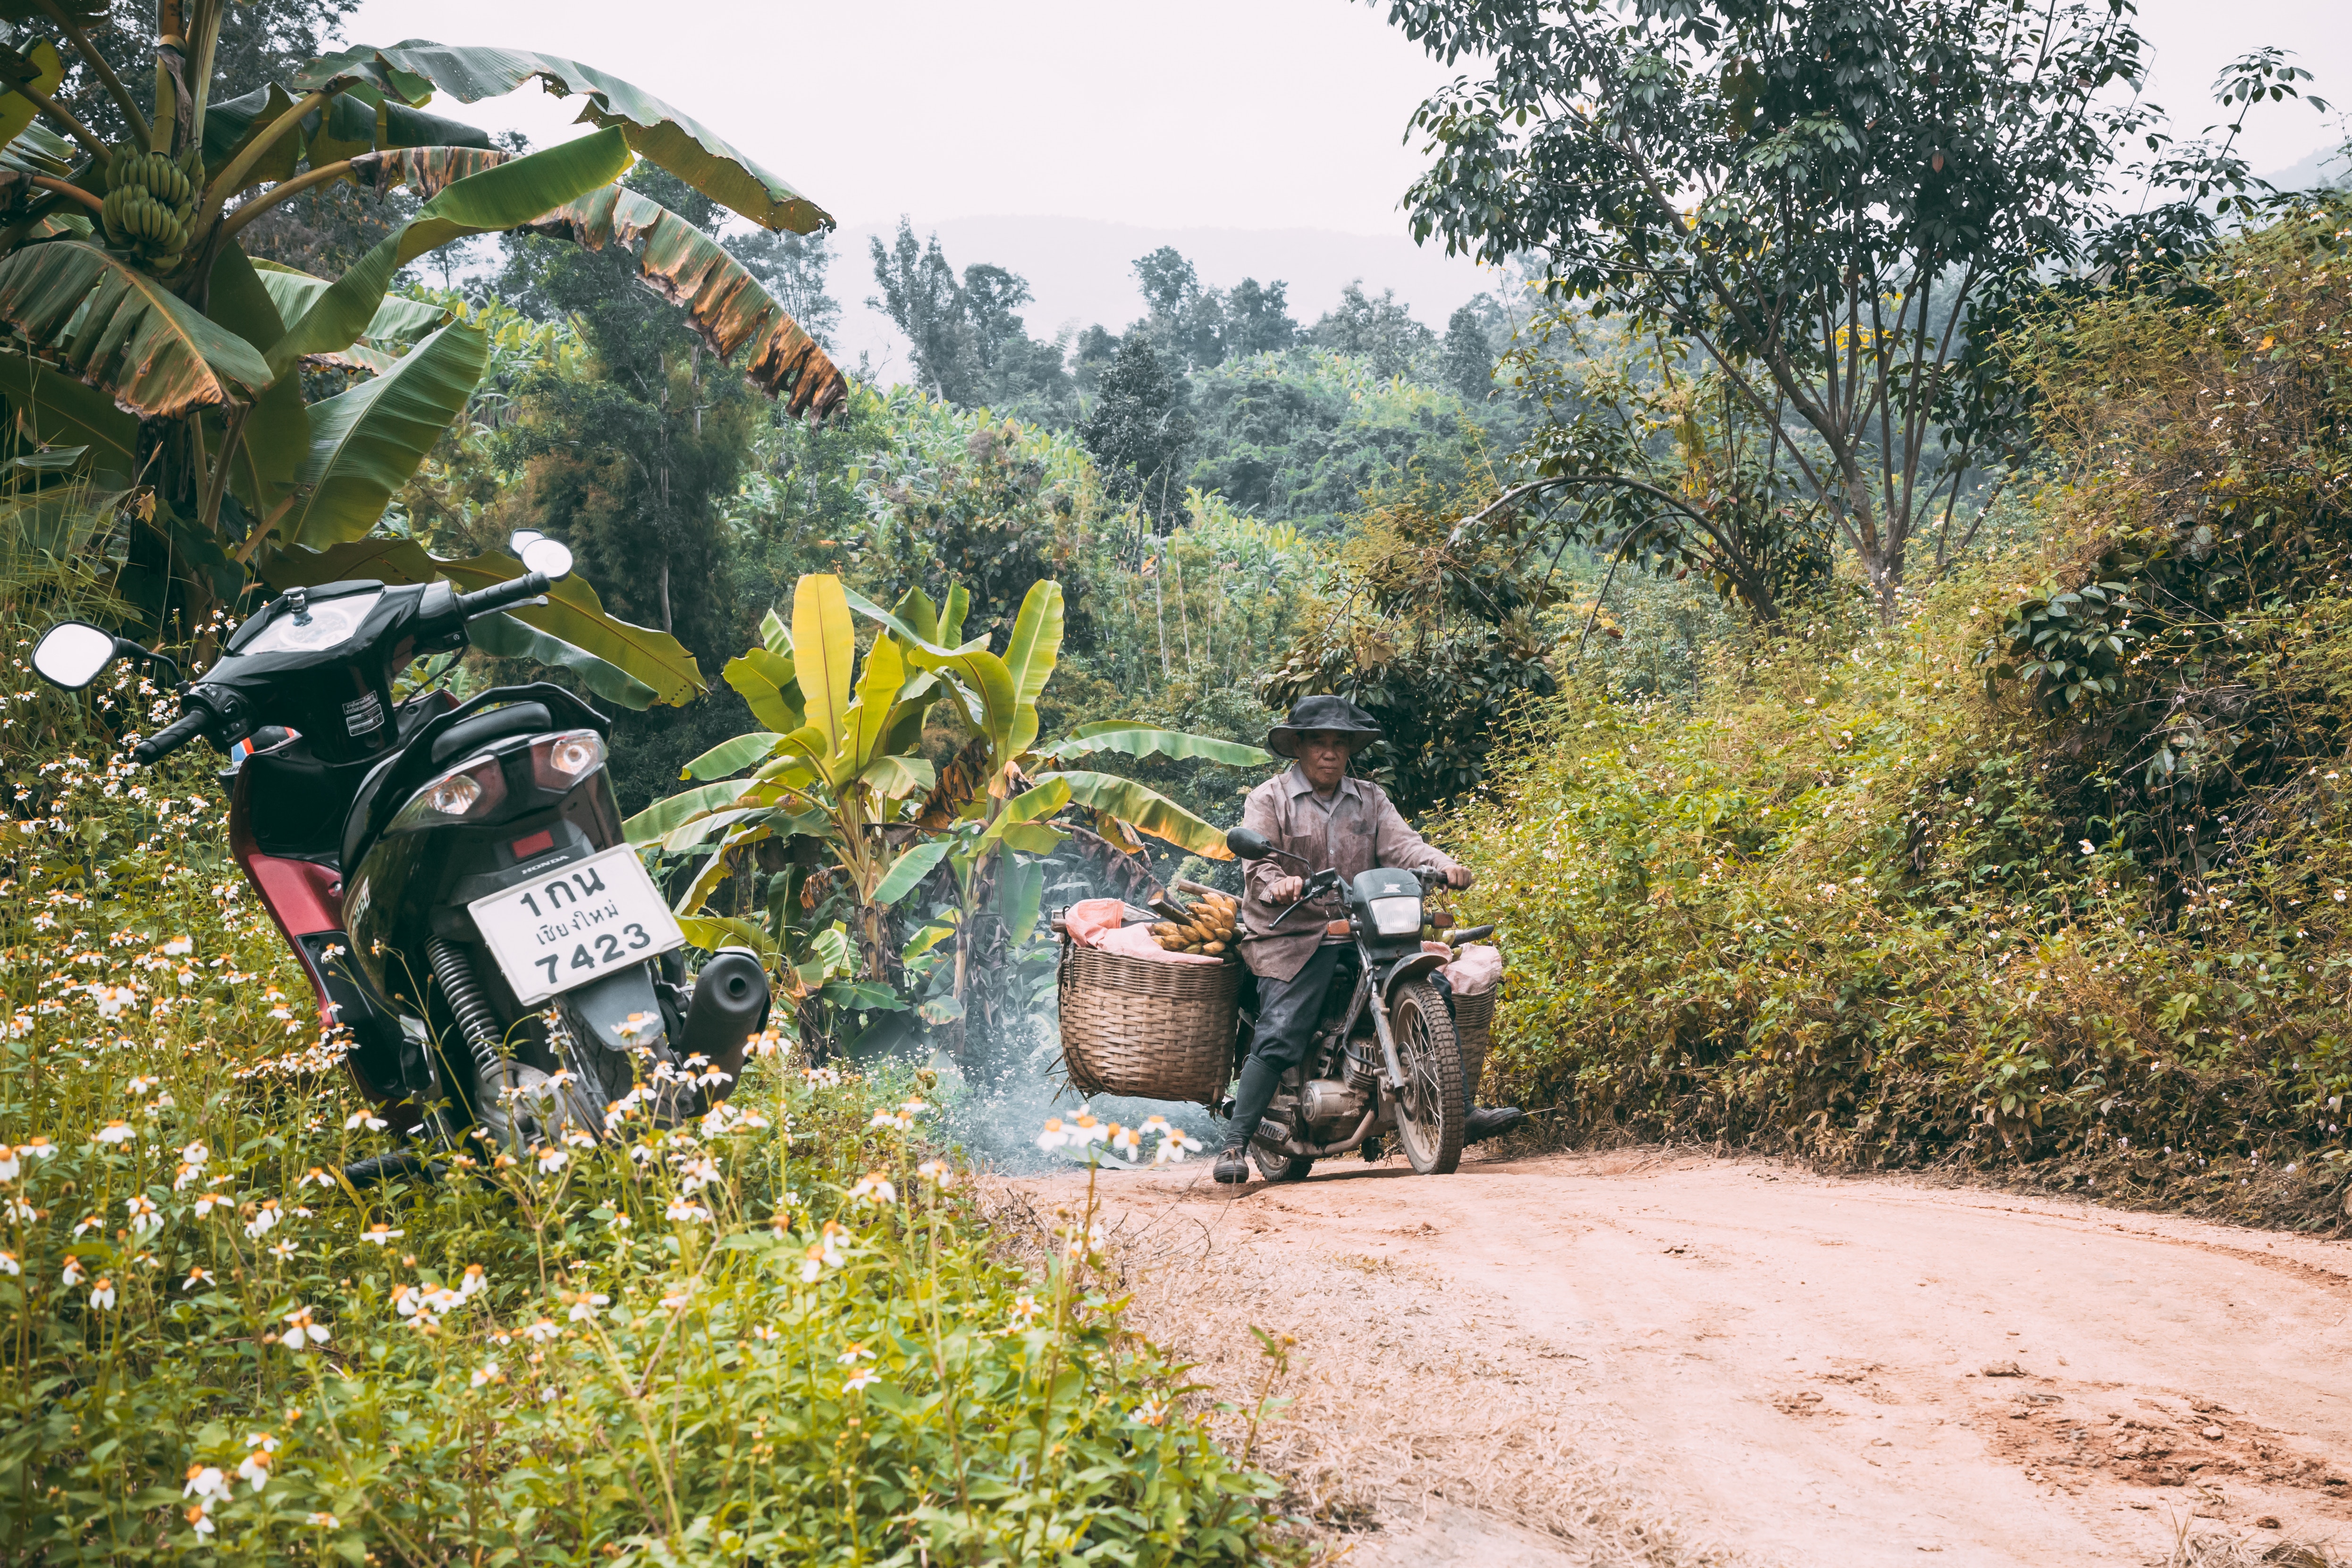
[(1316, 811)]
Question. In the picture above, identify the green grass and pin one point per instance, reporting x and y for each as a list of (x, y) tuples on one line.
[(788, 1332)]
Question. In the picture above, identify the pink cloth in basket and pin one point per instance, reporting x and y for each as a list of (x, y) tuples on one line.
[(1096, 922)]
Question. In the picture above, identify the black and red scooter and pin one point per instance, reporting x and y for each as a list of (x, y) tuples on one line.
[(452, 876)]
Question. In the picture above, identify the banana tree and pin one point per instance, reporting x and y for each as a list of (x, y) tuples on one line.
[(853, 785), (837, 763), (141, 334)]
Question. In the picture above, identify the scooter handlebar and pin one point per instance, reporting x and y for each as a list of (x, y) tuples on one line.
[(502, 596), (172, 736)]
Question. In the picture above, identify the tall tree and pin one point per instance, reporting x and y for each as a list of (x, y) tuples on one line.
[(1466, 360), (1382, 331), (1140, 430), (1257, 318), (921, 295), (1816, 194), (970, 346), (792, 267)]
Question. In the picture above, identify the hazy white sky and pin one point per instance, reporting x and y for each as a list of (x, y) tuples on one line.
[(1225, 113)]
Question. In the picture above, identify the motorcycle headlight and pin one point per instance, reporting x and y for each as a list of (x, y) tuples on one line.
[(1396, 917), (561, 761), (466, 793)]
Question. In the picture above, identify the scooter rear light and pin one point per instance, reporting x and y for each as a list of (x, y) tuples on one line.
[(561, 761), (462, 793)]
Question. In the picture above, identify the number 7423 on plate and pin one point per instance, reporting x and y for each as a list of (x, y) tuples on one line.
[(575, 923)]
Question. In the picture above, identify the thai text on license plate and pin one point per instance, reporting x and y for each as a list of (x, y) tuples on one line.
[(575, 923)]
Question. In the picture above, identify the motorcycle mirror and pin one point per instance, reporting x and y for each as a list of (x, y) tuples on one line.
[(1249, 845), (72, 653), (547, 555)]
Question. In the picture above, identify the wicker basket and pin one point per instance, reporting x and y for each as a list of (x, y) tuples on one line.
[(1473, 1017), (1155, 1031)]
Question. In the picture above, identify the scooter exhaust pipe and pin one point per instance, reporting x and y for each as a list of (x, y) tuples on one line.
[(730, 1005)]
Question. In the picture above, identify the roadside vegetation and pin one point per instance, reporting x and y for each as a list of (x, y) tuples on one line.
[(2052, 867), (789, 1331)]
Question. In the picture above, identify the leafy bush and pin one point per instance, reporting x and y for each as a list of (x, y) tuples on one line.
[(1854, 904), (785, 1333)]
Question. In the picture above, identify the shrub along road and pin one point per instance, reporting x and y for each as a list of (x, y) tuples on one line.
[(1734, 1360)]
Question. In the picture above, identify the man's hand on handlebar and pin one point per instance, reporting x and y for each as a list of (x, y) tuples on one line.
[(1285, 889), (1458, 878)]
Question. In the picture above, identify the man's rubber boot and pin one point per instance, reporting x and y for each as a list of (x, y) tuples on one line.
[(1233, 1166), (1488, 1120)]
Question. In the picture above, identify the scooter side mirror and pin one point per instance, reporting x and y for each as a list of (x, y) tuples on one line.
[(1248, 845), (543, 554), (71, 654)]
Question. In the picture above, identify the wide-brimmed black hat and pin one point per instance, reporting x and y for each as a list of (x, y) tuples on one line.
[(1334, 714)]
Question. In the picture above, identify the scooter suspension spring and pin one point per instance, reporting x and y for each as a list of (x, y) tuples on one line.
[(476, 1020)]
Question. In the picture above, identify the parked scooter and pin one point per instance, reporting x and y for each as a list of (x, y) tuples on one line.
[(452, 876), (1384, 1058)]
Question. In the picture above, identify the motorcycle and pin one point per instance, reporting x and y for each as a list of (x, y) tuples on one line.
[(452, 876), (1384, 1058)]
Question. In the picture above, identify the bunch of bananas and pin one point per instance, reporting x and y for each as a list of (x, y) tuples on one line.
[(148, 198), (1205, 926)]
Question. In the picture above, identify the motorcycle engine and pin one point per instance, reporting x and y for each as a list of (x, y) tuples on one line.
[(1331, 1108)]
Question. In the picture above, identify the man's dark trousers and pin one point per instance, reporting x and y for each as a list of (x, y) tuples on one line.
[(1288, 1012)]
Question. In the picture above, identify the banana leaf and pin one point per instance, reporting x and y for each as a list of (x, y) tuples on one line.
[(877, 696), (367, 442), (16, 110), (711, 932), (724, 302), (1133, 738), (663, 817), (1029, 658), (910, 868), (358, 124), (1019, 891), (731, 757), (1025, 810), (1147, 811), (573, 613), (397, 322), (767, 682), (895, 778), (825, 644), (276, 436), (414, 67), (38, 150), (503, 637), (54, 409), (120, 329), (714, 870), (504, 197)]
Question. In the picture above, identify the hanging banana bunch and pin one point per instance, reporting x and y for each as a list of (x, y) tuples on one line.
[(150, 198)]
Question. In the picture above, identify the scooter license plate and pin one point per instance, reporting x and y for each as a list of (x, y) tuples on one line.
[(575, 923)]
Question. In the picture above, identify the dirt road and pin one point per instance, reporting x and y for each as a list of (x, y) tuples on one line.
[(1671, 1360)]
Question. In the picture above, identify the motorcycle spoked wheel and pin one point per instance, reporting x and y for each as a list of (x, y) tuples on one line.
[(1430, 1118)]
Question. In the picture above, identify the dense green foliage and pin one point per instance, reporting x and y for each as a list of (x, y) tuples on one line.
[(785, 1332), (1847, 900)]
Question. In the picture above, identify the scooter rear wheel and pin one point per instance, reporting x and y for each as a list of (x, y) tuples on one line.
[(1431, 1117)]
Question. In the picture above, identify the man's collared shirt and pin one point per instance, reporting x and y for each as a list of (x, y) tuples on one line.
[(1351, 830)]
